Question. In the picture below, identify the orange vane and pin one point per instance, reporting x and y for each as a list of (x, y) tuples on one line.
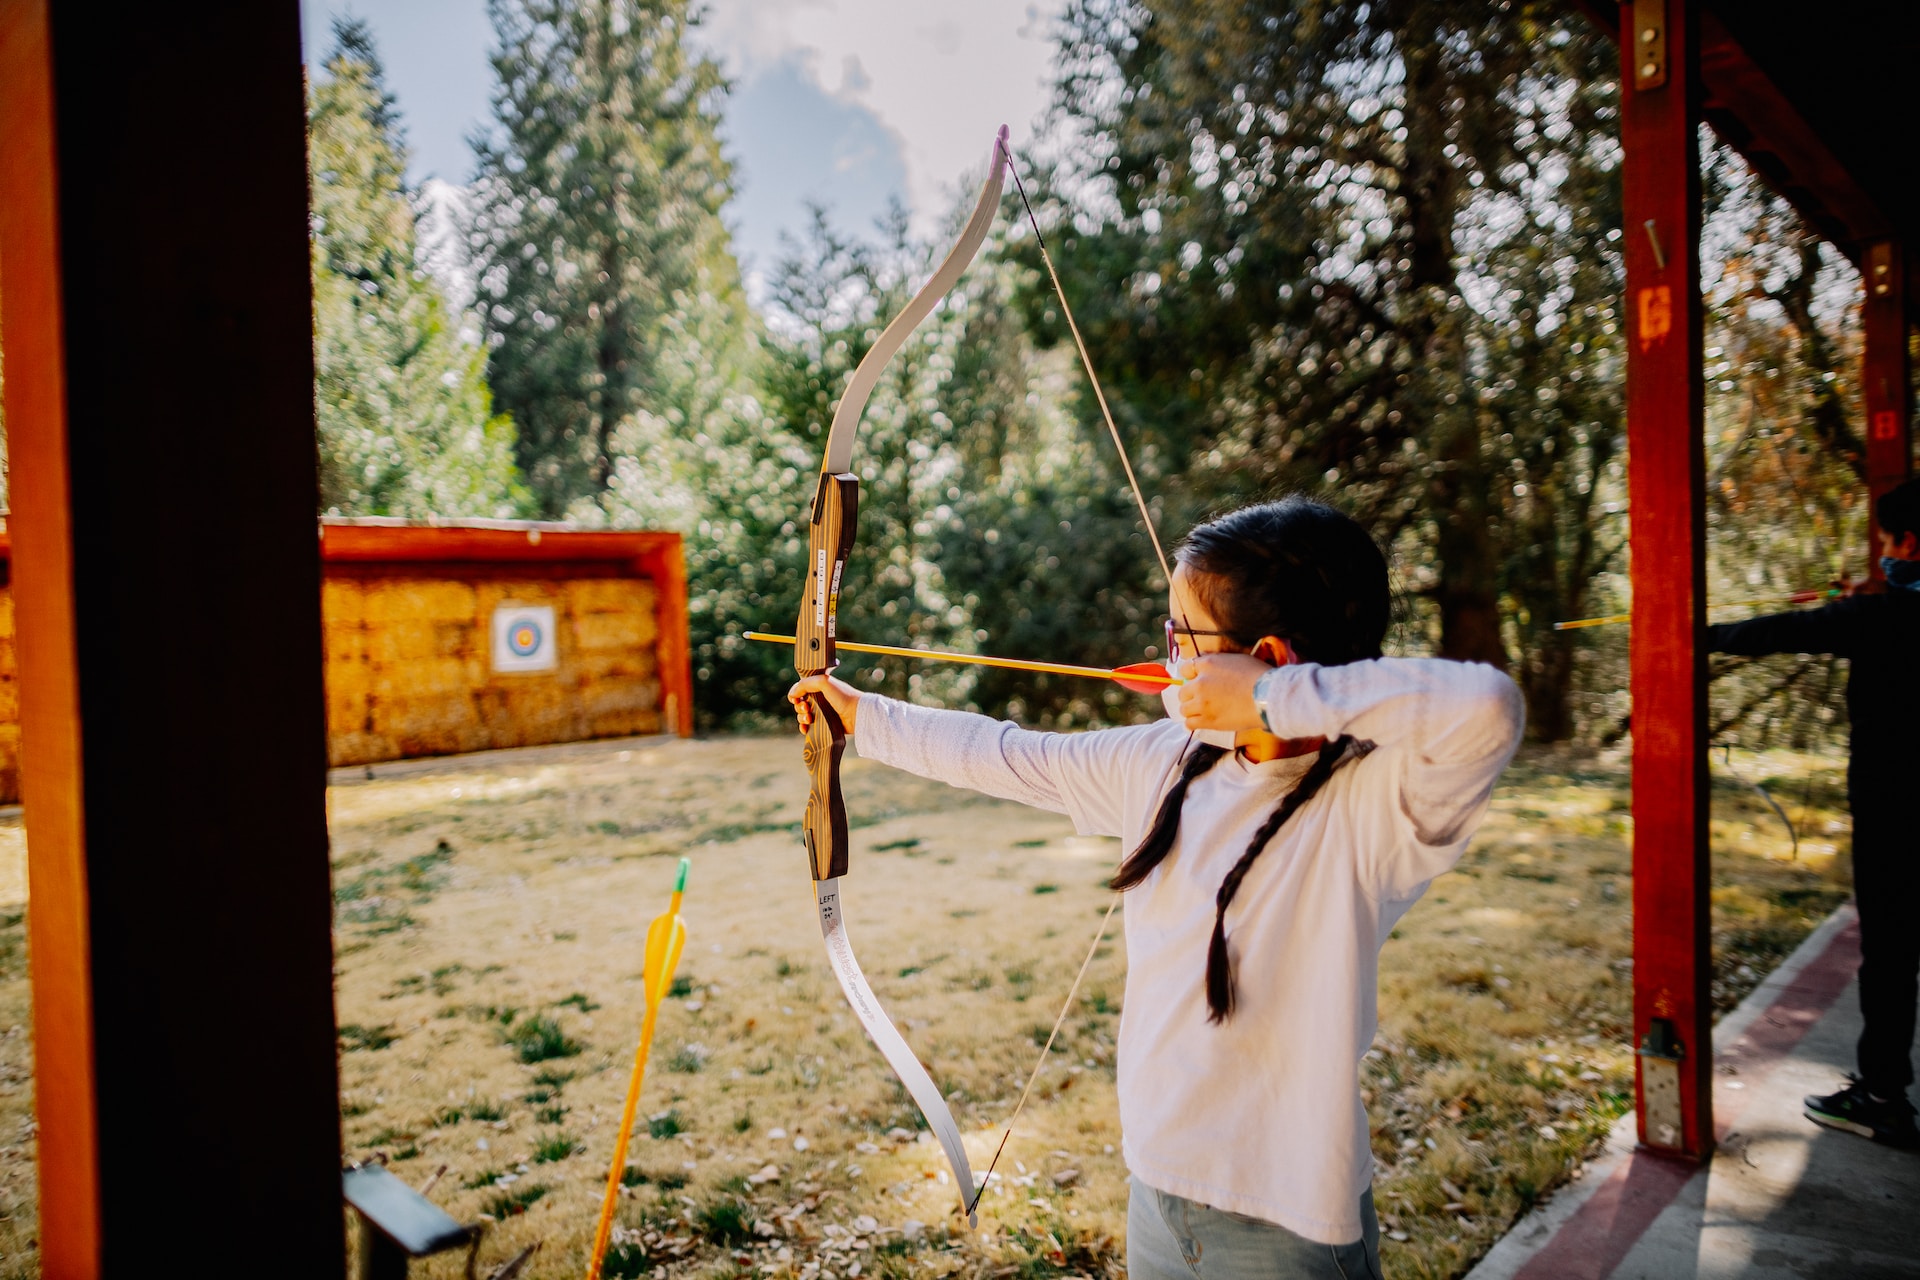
[(1141, 677)]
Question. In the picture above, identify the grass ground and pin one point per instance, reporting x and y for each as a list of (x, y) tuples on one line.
[(17, 1199), (491, 913)]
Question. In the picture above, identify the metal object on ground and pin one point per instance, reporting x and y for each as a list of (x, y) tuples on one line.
[(398, 1224)]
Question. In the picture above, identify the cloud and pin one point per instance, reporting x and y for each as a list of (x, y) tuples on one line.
[(795, 143), (939, 83)]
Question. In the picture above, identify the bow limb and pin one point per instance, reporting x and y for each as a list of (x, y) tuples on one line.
[(853, 401), (830, 535)]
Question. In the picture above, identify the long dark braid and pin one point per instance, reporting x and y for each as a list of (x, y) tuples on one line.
[(1304, 572), (1158, 843), (1219, 963)]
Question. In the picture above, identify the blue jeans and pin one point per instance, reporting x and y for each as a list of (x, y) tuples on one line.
[(1172, 1238)]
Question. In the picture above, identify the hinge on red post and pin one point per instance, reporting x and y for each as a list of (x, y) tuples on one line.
[(1660, 1056), (1649, 43)]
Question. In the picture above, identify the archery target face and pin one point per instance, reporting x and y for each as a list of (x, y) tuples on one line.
[(523, 638)]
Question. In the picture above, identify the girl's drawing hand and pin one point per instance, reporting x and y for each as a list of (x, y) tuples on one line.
[(841, 696), (1217, 692)]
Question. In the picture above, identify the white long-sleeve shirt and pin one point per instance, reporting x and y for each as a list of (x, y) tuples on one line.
[(1260, 1115)]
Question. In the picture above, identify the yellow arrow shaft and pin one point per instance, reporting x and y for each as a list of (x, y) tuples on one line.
[(665, 937), (977, 659), (1798, 597), (627, 1113)]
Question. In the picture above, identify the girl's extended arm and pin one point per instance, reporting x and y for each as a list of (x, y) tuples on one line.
[(1087, 776), (960, 748)]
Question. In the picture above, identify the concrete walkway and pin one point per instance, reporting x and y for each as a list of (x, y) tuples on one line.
[(1782, 1197)]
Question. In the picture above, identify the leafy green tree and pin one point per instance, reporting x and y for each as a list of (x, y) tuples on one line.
[(831, 297), (1347, 244), (407, 426), (606, 285), (981, 522), (1786, 495)]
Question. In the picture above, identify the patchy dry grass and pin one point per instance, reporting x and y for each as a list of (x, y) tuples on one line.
[(1506, 995), (491, 914), (19, 1200)]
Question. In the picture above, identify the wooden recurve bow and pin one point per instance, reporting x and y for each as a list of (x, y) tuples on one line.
[(830, 534)]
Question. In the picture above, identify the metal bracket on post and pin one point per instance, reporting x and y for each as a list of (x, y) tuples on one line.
[(1649, 37), (1880, 268), (1660, 1056)]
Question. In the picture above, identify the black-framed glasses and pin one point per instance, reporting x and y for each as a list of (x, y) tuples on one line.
[(1175, 630)]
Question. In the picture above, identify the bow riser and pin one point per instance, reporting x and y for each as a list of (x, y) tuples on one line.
[(830, 531)]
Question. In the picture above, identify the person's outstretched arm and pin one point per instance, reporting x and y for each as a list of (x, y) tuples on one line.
[(1091, 777), (1833, 628)]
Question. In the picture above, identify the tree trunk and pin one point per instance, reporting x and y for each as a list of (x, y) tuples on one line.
[(1469, 562), (1546, 681), (1465, 552)]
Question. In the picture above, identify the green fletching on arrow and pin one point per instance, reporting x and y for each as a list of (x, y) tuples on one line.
[(680, 885)]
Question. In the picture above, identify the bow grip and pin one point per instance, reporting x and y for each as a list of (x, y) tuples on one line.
[(824, 827), (830, 530)]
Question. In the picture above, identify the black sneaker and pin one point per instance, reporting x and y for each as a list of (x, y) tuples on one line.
[(1857, 1111)]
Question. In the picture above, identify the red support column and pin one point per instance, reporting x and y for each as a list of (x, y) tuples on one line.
[(1672, 1011), (1884, 378), (59, 934), (158, 322)]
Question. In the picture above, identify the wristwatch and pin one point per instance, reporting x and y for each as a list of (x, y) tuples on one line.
[(1260, 687)]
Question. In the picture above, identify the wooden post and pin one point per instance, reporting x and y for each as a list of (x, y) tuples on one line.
[(1672, 1011), (1885, 380), (158, 329)]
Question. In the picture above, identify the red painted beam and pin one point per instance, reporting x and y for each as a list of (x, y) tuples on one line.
[(1885, 376), (1755, 118), (1750, 114), (507, 543), (1666, 468)]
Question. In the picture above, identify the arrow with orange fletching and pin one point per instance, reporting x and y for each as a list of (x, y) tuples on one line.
[(1141, 677)]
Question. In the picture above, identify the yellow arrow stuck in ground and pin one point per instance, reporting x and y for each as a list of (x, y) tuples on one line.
[(665, 938)]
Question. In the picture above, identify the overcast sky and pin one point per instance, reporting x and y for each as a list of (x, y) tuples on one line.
[(844, 102)]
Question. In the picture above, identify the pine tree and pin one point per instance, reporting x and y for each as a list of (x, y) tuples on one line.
[(407, 425), (611, 302)]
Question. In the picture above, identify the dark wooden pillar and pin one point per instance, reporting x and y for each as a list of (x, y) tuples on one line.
[(1884, 378), (1672, 1011), (157, 321)]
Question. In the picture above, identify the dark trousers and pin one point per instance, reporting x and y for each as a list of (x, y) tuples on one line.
[(1886, 885)]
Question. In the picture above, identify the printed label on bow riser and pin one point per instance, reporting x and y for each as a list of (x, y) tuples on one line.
[(830, 536)]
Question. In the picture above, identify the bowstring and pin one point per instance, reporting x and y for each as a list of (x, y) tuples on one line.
[(986, 1179), (1099, 393), (1146, 518)]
